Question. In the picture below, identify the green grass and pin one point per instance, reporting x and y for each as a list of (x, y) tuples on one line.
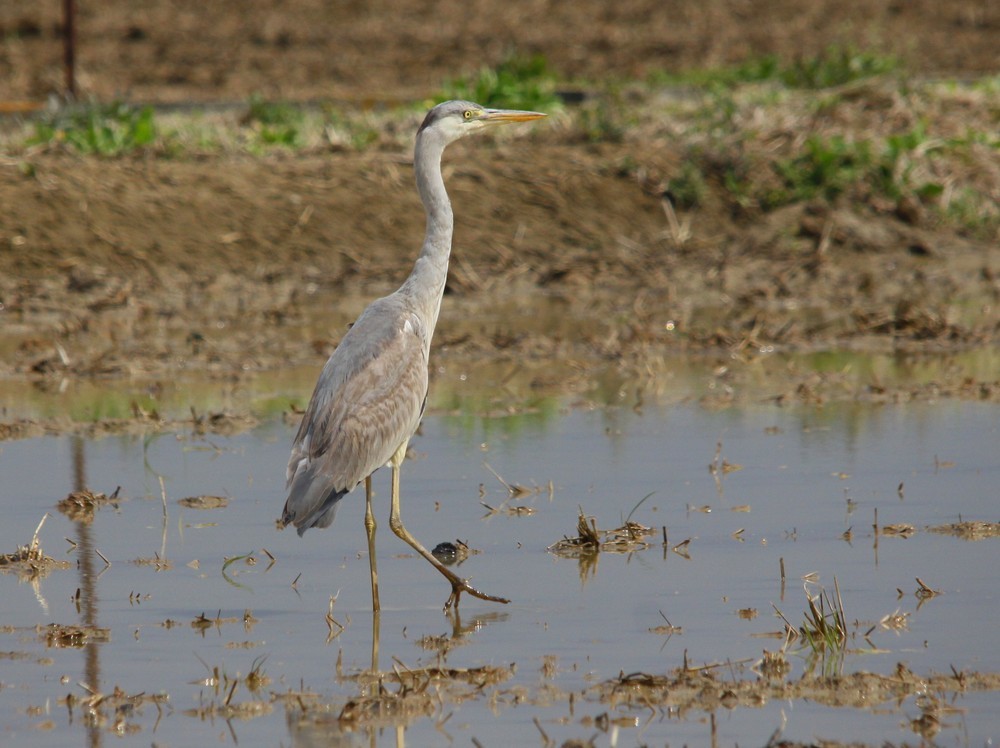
[(823, 632), (936, 172), (276, 123), (351, 132), (519, 82), (825, 625), (99, 129), (824, 167), (973, 211), (831, 166), (688, 188), (604, 120), (740, 140), (834, 66)]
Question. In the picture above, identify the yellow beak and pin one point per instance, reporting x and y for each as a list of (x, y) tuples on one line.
[(500, 116)]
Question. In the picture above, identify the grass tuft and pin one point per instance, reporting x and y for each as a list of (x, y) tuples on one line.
[(518, 82), (823, 630), (276, 123), (99, 129), (834, 66)]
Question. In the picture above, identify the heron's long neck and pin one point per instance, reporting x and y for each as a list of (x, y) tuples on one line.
[(426, 283)]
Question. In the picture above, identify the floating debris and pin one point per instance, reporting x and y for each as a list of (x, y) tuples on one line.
[(773, 665), (204, 502), (202, 623), (902, 530), (514, 490), (28, 561), (159, 564), (924, 592), (703, 688), (418, 693), (625, 539), (895, 621), (719, 465), (60, 636), (975, 530), (113, 711), (514, 493), (80, 506), (669, 629), (221, 422)]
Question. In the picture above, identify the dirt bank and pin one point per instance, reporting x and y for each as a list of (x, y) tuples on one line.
[(596, 240)]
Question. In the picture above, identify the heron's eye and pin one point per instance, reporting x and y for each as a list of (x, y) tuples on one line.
[(467, 114)]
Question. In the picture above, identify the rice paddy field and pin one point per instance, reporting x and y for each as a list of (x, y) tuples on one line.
[(715, 389)]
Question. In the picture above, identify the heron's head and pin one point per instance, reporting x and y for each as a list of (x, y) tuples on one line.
[(452, 120)]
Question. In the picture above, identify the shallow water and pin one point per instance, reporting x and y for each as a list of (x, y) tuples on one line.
[(806, 476)]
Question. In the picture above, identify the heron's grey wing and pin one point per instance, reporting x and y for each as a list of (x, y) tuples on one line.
[(367, 403)]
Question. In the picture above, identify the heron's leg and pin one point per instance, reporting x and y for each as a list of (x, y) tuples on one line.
[(458, 585), (370, 529), (376, 631)]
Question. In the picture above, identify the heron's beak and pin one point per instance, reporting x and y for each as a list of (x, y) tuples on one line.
[(500, 116)]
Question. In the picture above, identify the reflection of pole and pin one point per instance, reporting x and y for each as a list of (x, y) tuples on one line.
[(88, 597), (69, 46), (88, 590), (79, 465)]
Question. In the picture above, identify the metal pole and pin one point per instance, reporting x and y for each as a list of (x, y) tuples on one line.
[(69, 46)]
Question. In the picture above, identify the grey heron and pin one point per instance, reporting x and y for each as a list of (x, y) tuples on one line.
[(371, 393)]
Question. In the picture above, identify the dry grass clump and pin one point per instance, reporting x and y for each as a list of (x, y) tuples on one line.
[(773, 665), (975, 530), (204, 502), (899, 530), (224, 686), (823, 633), (706, 688), (29, 562), (115, 712), (631, 536), (62, 636), (80, 506), (399, 696)]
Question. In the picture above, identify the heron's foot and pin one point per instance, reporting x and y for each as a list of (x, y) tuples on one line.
[(458, 586)]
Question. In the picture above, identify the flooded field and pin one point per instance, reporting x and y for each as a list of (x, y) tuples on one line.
[(730, 435), (741, 575)]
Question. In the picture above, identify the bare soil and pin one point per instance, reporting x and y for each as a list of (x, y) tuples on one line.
[(185, 50), (231, 262)]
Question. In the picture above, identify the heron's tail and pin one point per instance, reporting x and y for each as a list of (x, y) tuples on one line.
[(305, 511)]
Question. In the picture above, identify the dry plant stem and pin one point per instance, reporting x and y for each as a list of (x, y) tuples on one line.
[(370, 529), (34, 538), (458, 585)]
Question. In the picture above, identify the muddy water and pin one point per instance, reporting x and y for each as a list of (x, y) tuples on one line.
[(177, 605)]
